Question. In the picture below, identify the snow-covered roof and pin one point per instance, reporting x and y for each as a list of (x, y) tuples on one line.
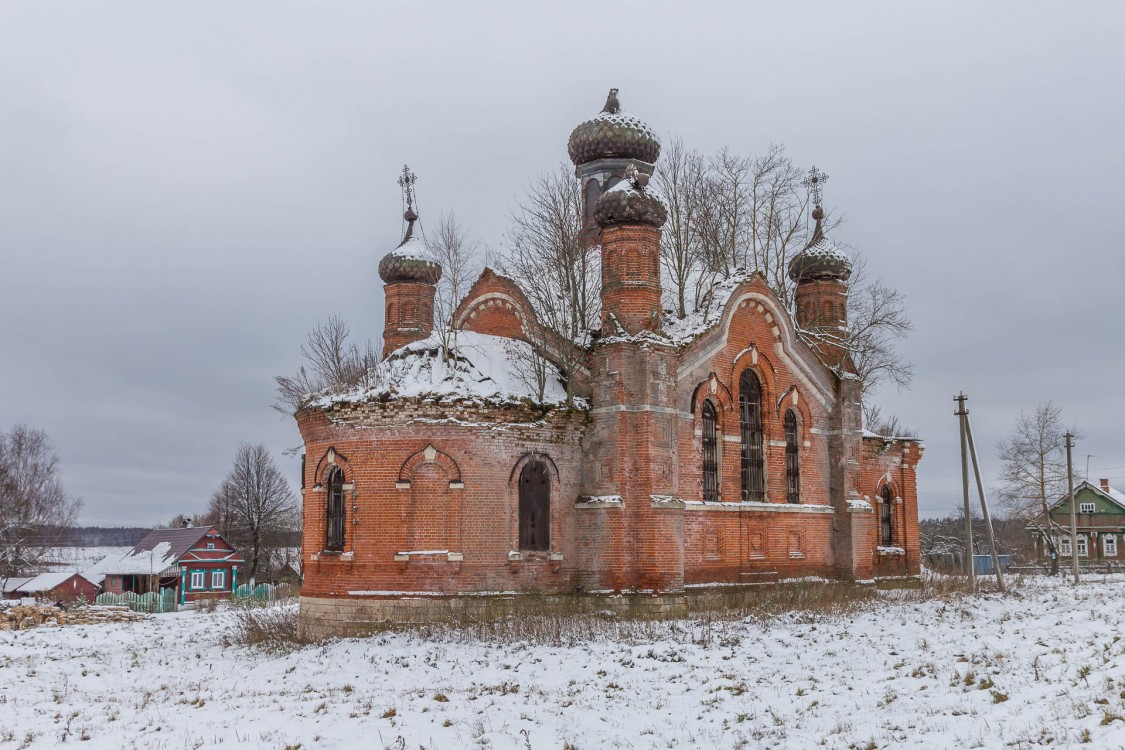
[(707, 316), (413, 248), (14, 583), (144, 561), (96, 573), (485, 369), (1115, 496), (46, 581)]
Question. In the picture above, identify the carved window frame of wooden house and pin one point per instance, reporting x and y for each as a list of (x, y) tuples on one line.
[(886, 517), (535, 507), (336, 512), (792, 459), (752, 437), (710, 453)]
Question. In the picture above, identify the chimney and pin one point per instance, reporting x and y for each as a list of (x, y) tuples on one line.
[(1105, 485)]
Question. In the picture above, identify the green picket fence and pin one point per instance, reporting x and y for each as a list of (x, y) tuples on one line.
[(263, 592), (152, 602)]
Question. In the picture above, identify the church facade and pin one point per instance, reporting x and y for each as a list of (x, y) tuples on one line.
[(697, 461)]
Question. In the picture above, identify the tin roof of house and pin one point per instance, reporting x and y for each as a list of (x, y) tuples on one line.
[(47, 581), (160, 550)]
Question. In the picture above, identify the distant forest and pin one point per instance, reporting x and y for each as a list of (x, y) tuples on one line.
[(95, 536)]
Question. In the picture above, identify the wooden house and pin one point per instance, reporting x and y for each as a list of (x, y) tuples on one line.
[(197, 561), (1100, 523), (61, 585)]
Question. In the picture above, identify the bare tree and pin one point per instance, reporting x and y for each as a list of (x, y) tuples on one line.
[(255, 507), (332, 363), (876, 323), (681, 179), (557, 273), (35, 509), (450, 247), (1033, 470), (886, 426)]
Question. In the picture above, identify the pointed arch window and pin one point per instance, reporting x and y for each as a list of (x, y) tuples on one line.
[(750, 428), (337, 511), (886, 516), (535, 507), (792, 459), (710, 454)]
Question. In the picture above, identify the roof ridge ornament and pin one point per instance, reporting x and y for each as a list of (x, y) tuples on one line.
[(612, 105)]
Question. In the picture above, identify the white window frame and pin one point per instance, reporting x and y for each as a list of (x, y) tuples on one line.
[(210, 545), (1083, 545), (1087, 507), (1064, 545), (1109, 545), (198, 580), (221, 577)]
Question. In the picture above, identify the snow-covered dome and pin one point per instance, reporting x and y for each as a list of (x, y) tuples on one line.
[(613, 135), (409, 261), (821, 259)]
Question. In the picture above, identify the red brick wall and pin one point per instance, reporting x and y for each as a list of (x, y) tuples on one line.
[(409, 314), (631, 278), (403, 498), (893, 462)]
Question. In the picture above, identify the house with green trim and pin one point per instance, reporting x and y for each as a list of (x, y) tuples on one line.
[(1100, 524), (196, 561)]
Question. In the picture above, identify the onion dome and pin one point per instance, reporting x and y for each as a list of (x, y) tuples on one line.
[(409, 261), (613, 135), (628, 202), (821, 259)]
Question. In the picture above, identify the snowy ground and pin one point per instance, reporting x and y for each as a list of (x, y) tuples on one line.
[(79, 558), (1042, 666)]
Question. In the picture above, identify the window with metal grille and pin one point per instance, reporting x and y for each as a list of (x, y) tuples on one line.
[(535, 507), (710, 454), (792, 459), (750, 427), (886, 513), (337, 511)]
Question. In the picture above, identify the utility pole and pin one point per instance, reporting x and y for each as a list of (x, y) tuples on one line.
[(984, 505), (1073, 514), (961, 412)]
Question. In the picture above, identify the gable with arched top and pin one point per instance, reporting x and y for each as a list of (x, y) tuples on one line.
[(754, 297), (429, 454), (330, 460), (495, 305)]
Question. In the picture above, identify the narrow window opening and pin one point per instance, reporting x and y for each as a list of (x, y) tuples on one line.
[(710, 454), (792, 459), (535, 507), (886, 515), (337, 511), (750, 427)]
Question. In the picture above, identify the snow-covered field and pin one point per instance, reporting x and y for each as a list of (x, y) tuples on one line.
[(79, 558), (1042, 666)]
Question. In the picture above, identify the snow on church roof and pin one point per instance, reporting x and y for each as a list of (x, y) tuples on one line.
[(485, 368)]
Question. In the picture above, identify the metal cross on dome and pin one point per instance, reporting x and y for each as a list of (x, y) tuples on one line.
[(813, 182), (406, 182)]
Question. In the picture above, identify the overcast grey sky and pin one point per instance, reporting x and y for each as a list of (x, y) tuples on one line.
[(185, 189)]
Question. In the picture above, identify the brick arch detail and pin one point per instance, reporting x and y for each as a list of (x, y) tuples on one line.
[(492, 299), (722, 397), (528, 457), (430, 454), (804, 413), (331, 458)]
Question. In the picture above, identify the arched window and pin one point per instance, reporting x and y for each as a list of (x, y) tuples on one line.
[(535, 507), (710, 454), (337, 511), (750, 427), (792, 459), (886, 515)]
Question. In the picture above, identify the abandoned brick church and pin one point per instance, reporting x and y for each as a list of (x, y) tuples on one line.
[(701, 456)]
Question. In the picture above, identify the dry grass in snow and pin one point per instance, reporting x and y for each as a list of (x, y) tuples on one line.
[(1042, 666)]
